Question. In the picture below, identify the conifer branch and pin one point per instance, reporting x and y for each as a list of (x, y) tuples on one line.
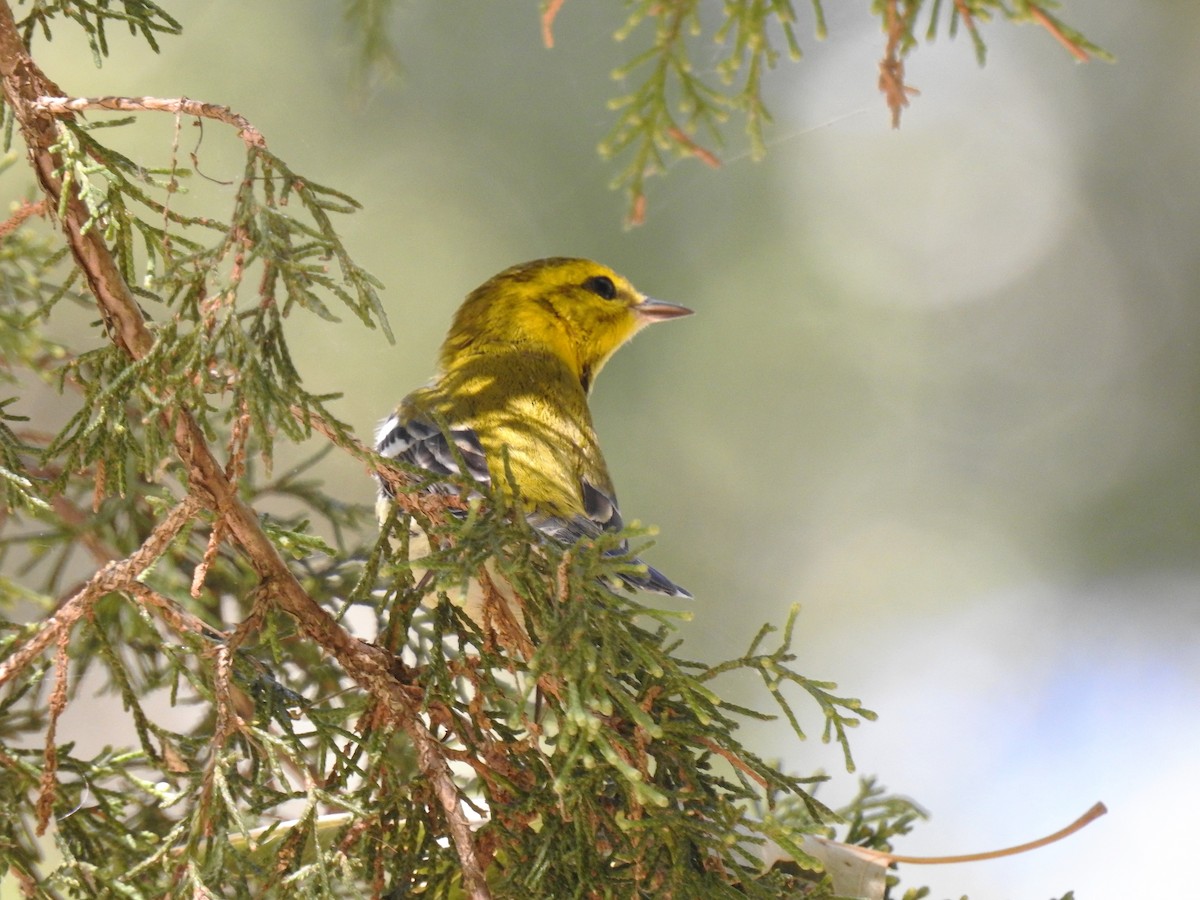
[(672, 96), (116, 576), (597, 758), (24, 84)]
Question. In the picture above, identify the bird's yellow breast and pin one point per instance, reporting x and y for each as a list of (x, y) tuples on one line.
[(530, 413)]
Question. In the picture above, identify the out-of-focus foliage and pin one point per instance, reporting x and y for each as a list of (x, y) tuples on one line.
[(699, 64)]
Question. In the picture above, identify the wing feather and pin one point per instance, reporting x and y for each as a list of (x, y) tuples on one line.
[(421, 443)]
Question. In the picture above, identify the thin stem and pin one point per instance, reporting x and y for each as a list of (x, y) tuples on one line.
[(65, 106)]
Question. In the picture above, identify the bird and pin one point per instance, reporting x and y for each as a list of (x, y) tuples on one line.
[(507, 407)]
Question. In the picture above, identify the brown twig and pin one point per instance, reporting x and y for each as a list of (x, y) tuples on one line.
[(235, 467), (29, 887), (1091, 815), (734, 760), (501, 613), (1040, 16), (177, 618), (115, 576), (549, 14), (637, 211), (58, 702), (705, 156), (23, 212), (63, 106), (891, 67), (433, 506), (964, 13), (353, 445), (211, 549), (228, 720)]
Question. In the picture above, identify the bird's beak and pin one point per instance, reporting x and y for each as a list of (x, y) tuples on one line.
[(651, 310)]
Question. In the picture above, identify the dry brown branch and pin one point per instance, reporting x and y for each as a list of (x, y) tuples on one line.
[(100, 485), (965, 14), (29, 887), (432, 506), (58, 702), (549, 14), (734, 761), (891, 67), (235, 468), (637, 213), (211, 549), (1087, 818), (177, 618), (500, 616), (25, 86), (705, 156), (349, 443), (65, 106), (1051, 26), (23, 212), (228, 720), (115, 576)]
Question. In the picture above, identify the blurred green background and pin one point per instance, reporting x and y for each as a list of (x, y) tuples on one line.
[(941, 389)]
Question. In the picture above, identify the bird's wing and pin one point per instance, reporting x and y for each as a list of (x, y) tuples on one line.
[(603, 514), (420, 442)]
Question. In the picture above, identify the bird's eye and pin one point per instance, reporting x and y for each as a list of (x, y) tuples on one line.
[(601, 286)]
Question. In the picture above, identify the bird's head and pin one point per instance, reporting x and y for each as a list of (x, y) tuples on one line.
[(576, 309)]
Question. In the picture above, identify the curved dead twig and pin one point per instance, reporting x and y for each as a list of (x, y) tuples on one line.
[(65, 106)]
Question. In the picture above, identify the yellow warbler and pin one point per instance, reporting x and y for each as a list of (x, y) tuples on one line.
[(513, 379)]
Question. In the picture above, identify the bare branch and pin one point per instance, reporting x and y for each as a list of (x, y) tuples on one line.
[(65, 106), (23, 212), (116, 576), (549, 14), (891, 67), (1047, 22), (1087, 818)]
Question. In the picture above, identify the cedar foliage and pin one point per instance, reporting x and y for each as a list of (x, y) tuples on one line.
[(301, 717)]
